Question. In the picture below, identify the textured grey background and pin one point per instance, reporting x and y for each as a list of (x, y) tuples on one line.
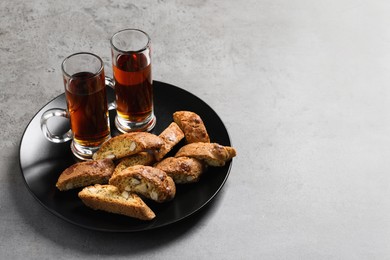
[(303, 87)]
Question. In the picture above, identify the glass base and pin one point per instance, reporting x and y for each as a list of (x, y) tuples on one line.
[(84, 152), (125, 126)]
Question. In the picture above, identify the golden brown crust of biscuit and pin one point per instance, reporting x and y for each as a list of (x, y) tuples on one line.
[(109, 198), (192, 126), (182, 169), (147, 181), (211, 153), (128, 144), (171, 135), (142, 158), (85, 173)]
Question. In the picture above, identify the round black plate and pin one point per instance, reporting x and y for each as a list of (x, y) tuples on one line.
[(42, 162)]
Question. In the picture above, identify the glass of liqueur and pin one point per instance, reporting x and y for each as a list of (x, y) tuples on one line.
[(131, 63), (87, 108)]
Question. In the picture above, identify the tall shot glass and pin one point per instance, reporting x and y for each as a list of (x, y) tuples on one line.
[(87, 108), (132, 71)]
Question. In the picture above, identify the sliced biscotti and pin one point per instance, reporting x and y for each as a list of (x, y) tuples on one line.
[(171, 135), (192, 126), (211, 153), (85, 173), (147, 181), (128, 144), (182, 169), (109, 198), (142, 158)]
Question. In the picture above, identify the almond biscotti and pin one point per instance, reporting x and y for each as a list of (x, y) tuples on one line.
[(192, 126), (128, 144), (211, 153), (171, 135), (142, 158), (85, 173), (182, 169), (109, 198), (147, 181)]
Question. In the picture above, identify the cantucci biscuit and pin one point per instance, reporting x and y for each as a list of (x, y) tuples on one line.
[(142, 158), (85, 173), (192, 126), (182, 169), (109, 198), (147, 181), (172, 135), (211, 153), (128, 144)]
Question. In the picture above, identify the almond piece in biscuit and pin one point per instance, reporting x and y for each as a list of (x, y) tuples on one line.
[(109, 198), (171, 135), (182, 169), (128, 144), (142, 158), (192, 126), (85, 173), (211, 153), (147, 181)]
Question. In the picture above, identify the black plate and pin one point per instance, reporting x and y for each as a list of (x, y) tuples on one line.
[(42, 162)]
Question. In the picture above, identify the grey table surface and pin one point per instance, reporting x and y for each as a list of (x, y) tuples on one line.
[(302, 86)]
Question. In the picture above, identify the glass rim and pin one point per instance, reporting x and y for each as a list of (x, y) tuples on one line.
[(83, 53), (147, 45)]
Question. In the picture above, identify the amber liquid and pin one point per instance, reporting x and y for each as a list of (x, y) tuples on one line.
[(133, 87), (87, 106)]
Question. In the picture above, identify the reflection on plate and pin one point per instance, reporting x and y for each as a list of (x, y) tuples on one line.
[(42, 161)]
